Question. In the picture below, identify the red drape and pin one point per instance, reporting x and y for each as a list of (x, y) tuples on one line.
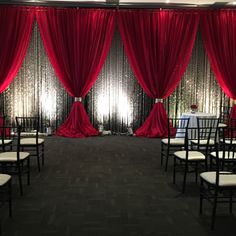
[(15, 33), (158, 44), (219, 36), (77, 42)]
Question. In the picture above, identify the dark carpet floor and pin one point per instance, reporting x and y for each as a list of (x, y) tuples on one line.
[(111, 185)]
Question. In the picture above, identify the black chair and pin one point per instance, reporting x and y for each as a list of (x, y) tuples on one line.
[(224, 116), (30, 140), (176, 138), (5, 134), (5, 193), (218, 186), (227, 153), (207, 131), (188, 160), (193, 158), (15, 162)]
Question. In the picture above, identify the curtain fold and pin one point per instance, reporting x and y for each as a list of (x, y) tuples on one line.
[(77, 42), (15, 32), (219, 36), (158, 44)]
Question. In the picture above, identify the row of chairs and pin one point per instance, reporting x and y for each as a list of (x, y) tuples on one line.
[(18, 145), (206, 149)]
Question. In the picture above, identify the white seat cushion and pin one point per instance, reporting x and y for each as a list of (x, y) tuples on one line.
[(228, 141), (224, 180), (222, 125), (4, 179), (228, 155), (30, 141), (192, 155), (12, 156), (203, 142), (6, 141), (174, 141)]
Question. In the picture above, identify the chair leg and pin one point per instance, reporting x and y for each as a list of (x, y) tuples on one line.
[(167, 157), (214, 210), (231, 202), (174, 171), (10, 199), (185, 176), (43, 154), (196, 172), (28, 170), (38, 161), (206, 165), (201, 195), (162, 150), (20, 180)]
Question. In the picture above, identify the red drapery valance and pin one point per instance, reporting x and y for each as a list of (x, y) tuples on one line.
[(158, 44), (15, 32), (77, 42)]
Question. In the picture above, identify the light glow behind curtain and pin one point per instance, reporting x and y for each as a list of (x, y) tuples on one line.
[(159, 57), (77, 42), (219, 35), (15, 31), (37, 91)]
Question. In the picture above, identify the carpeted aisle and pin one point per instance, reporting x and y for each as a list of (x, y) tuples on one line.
[(111, 185)]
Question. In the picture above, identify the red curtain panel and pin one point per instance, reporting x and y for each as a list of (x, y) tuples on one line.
[(219, 36), (15, 32), (77, 42), (158, 44)]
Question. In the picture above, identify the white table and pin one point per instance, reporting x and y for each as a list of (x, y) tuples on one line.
[(193, 117), (193, 120)]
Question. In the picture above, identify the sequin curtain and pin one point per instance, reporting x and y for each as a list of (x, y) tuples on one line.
[(36, 91), (198, 86), (116, 100)]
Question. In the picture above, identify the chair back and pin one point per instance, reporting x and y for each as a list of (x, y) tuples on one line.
[(228, 143), (177, 127), (224, 114), (29, 126), (207, 129), (15, 137), (228, 156)]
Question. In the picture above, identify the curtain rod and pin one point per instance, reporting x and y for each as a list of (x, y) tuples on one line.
[(112, 5)]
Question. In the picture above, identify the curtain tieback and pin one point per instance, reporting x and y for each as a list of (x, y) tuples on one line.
[(158, 100), (78, 99)]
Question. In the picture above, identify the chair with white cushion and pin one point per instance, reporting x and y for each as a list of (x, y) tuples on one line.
[(191, 160), (5, 192), (176, 138), (218, 186), (15, 162), (31, 141), (227, 153)]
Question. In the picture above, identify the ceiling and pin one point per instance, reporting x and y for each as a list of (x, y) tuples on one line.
[(128, 3)]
